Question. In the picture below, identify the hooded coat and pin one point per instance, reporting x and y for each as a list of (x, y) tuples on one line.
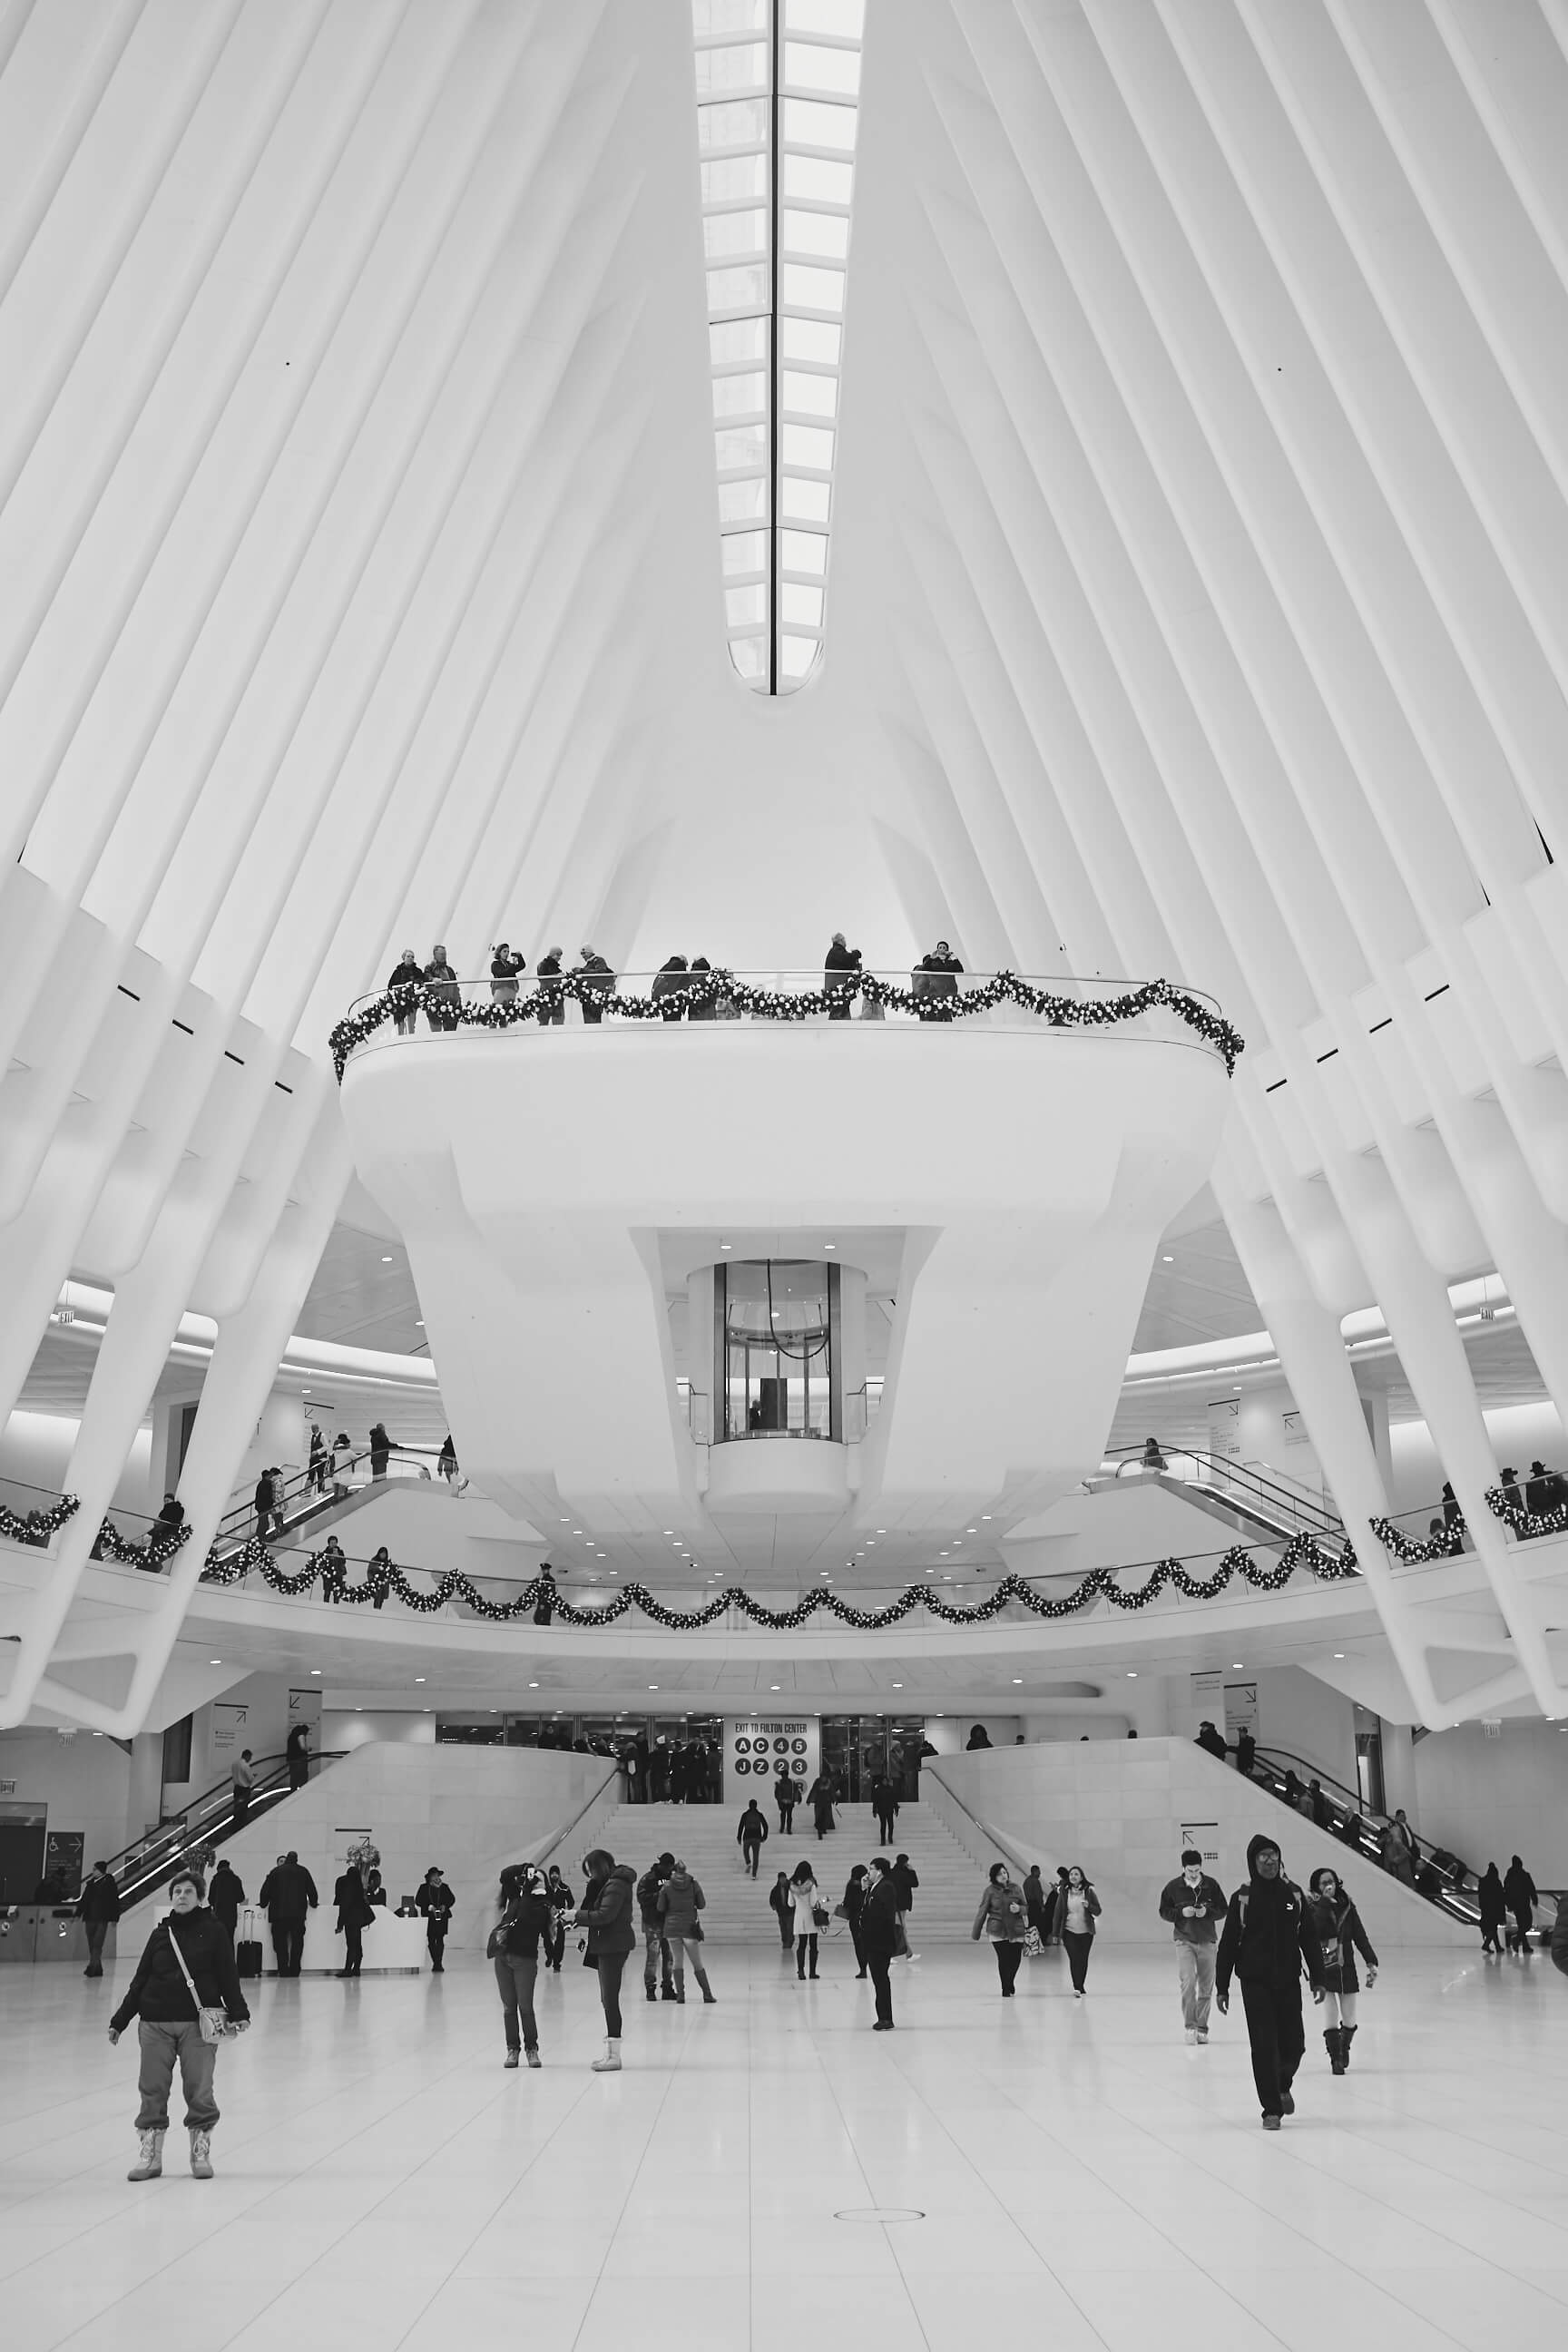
[(1268, 1933), (608, 1913)]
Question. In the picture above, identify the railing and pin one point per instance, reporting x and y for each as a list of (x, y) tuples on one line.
[(999, 999), (149, 1861), (307, 1492), (33, 1516), (603, 1802), (983, 1845), (1265, 1498)]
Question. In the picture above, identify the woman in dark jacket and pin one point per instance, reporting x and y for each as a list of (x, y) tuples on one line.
[(527, 1917), (608, 1911), (670, 985), (563, 1903), (170, 2027), (354, 1916), (1494, 1909), (1518, 1893), (437, 1901), (1340, 1936), (879, 1938), (854, 1904), (779, 1903), (407, 974), (504, 967), (819, 1797), (702, 970)]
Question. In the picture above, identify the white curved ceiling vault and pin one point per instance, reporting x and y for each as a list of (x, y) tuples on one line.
[(1199, 538)]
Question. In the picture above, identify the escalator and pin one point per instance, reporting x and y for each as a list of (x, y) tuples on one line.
[(1441, 1879), (305, 1502), (150, 1861), (1262, 1507)]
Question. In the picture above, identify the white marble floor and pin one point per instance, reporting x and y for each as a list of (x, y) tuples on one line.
[(1082, 2178)]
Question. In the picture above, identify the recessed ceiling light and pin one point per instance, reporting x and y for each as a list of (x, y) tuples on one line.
[(1339, 1654), (898, 1686), (315, 1670), (1236, 1666), (1018, 1678), (653, 1685), (773, 1686), (830, 1245), (418, 1678), (1167, 1260), (214, 1662), (985, 1514), (724, 1245), (419, 1323), (1132, 1674), (535, 1687)]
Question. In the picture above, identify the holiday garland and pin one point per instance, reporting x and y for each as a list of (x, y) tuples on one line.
[(1413, 1551), (385, 1579), (162, 1544), (701, 990), (1525, 1523), (36, 1528)]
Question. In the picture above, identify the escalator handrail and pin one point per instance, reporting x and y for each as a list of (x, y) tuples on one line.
[(1229, 1473), (1453, 1895), (237, 1521), (187, 1829)]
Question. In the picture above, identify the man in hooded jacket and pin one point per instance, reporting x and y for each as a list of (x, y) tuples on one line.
[(1269, 1939)]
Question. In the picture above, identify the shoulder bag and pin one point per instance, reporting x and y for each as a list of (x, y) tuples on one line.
[(213, 2022)]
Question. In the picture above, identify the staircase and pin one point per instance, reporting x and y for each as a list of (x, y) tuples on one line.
[(703, 1837)]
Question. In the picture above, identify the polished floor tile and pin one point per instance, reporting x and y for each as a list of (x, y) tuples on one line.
[(1069, 2174)]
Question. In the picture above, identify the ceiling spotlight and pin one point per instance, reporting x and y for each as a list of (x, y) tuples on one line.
[(1132, 1674), (1339, 1654), (985, 1514), (1018, 1678), (653, 1686), (419, 1324), (315, 1670), (724, 1245), (534, 1686), (773, 1686), (1167, 1260), (898, 1686), (214, 1662), (1236, 1666), (830, 1245)]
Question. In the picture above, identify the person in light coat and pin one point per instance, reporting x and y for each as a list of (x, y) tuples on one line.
[(805, 1896)]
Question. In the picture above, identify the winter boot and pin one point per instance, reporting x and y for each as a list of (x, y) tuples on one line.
[(707, 1989), (680, 1993), (149, 2164), (1333, 2042), (666, 1991), (510, 2059), (610, 2063), (532, 2057), (1347, 2035), (201, 2155), (649, 1994)]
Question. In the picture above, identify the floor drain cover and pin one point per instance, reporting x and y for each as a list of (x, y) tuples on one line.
[(880, 2213)]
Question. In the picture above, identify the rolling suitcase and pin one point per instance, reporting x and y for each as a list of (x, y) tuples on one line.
[(248, 1950)]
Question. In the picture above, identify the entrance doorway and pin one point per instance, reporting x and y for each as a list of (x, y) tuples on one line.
[(857, 1749)]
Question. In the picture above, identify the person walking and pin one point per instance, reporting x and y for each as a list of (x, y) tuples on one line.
[(287, 1893), (1269, 1939), (1081, 1909), (1003, 1915), (1518, 1893), (437, 1901), (225, 1894), (855, 1891), (354, 1916), (783, 1909), (297, 1755), (906, 1878), (786, 1793), (1341, 1936), (806, 1901), (751, 1835), (97, 1908), (879, 1938), (186, 1967), (819, 1797), (563, 1903), (1037, 1901), (884, 1800), (680, 1899), (1192, 1904), (656, 1971), (606, 1912), (526, 1921), (1493, 1908)]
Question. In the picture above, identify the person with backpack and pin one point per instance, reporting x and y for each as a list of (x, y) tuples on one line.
[(783, 1909), (1340, 1936), (563, 1903), (527, 1917), (1003, 1915), (1269, 1939), (1192, 1904), (749, 1837), (186, 1996), (680, 1899), (655, 1951)]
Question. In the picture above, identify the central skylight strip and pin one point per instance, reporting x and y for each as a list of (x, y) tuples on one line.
[(778, 85)]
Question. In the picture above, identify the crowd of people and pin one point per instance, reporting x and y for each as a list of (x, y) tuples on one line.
[(440, 988)]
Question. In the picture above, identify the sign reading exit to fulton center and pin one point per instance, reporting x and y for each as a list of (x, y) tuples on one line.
[(757, 1748)]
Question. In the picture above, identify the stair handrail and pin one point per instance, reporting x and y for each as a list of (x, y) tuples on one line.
[(1002, 1848), (541, 1858)]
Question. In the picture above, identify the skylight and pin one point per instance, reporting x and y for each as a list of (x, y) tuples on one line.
[(778, 85)]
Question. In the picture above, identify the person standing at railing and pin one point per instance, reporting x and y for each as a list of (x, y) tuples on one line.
[(265, 1499), (708, 1008), (838, 960), (598, 983), (380, 1451), (934, 979), (670, 982), (406, 977), (445, 997), (551, 1002), (504, 967), (446, 1459)]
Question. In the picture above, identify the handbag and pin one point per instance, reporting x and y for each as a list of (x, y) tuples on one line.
[(214, 2024), (1034, 1946), (820, 1915), (841, 1911)]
